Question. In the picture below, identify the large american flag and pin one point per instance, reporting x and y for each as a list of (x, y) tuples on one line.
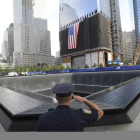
[(73, 35)]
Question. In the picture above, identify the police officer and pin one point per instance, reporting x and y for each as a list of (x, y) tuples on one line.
[(63, 118)]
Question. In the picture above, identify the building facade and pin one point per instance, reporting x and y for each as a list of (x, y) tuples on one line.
[(58, 60), (32, 38), (94, 43), (129, 41), (8, 44), (128, 29), (137, 22), (116, 30), (108, 36), (137, 18), (75, 11)]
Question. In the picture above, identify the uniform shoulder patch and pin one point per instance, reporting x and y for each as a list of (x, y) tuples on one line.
[(87, 111)]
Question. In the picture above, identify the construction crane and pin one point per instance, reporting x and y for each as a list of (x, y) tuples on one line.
[(137, 54)]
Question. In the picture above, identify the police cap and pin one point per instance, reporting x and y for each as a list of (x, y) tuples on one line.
[(63, 90)]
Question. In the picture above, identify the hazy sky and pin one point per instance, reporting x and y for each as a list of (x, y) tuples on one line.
[(6, 15)]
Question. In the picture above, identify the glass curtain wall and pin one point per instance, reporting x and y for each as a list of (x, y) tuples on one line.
[(137, 18), (72, 11), (128, 29)]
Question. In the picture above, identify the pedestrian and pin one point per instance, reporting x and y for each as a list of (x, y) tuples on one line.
[(66, 119)]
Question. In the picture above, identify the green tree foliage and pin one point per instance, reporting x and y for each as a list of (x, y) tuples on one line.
[(79, 67), (0, 68), (31, 68), (68, 67), (62, 67), (94, 66), (45, 68), (20, 69), (86, 66), (126, 63), (112, 64), (16, 69), (38, 69), (50, 68), (7, 69), (54, 68), (72, 68), (101, 65), (58, 68), (24, 69)]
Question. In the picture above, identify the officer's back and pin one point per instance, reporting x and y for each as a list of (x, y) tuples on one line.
[(63, 118)]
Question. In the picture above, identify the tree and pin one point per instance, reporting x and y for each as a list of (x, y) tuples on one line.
[(72, 68), (31, 68), (94, 66), (101, 65), (86, 66), (62, 67), (24, 69), (58, 68), (112, 64), (20, 69), (0, 68), (16, 69), (126, 63), (68, 67), (38, 69), (7, 69), (50, 68), (54, 68), (79, 67), (44, 68)]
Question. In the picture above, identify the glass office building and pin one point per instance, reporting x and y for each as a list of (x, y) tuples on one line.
[(128, 29), (137, 18), (72, 11), (8, 44), (137, 21), (31, 36)]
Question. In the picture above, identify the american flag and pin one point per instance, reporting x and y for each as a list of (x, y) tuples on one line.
[(73, 35)]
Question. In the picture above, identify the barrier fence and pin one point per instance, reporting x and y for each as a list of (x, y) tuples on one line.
[(121, 68)]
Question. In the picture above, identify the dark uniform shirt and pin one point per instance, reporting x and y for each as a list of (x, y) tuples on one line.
[(63, 118)]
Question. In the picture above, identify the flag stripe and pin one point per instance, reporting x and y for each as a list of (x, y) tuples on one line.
[(73, 36)]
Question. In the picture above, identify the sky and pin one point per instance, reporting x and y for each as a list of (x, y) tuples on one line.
[(127, 15), (6, 14)]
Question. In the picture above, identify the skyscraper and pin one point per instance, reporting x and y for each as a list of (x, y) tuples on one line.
[(116, 30), (129, 42), (128, 29), (136, 4), (137, 18), (32, 38), (106, 35), (8, 44), (72, 11)]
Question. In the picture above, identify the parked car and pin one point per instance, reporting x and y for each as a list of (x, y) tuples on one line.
[(12, 74), (116, 63), (24, 73)]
